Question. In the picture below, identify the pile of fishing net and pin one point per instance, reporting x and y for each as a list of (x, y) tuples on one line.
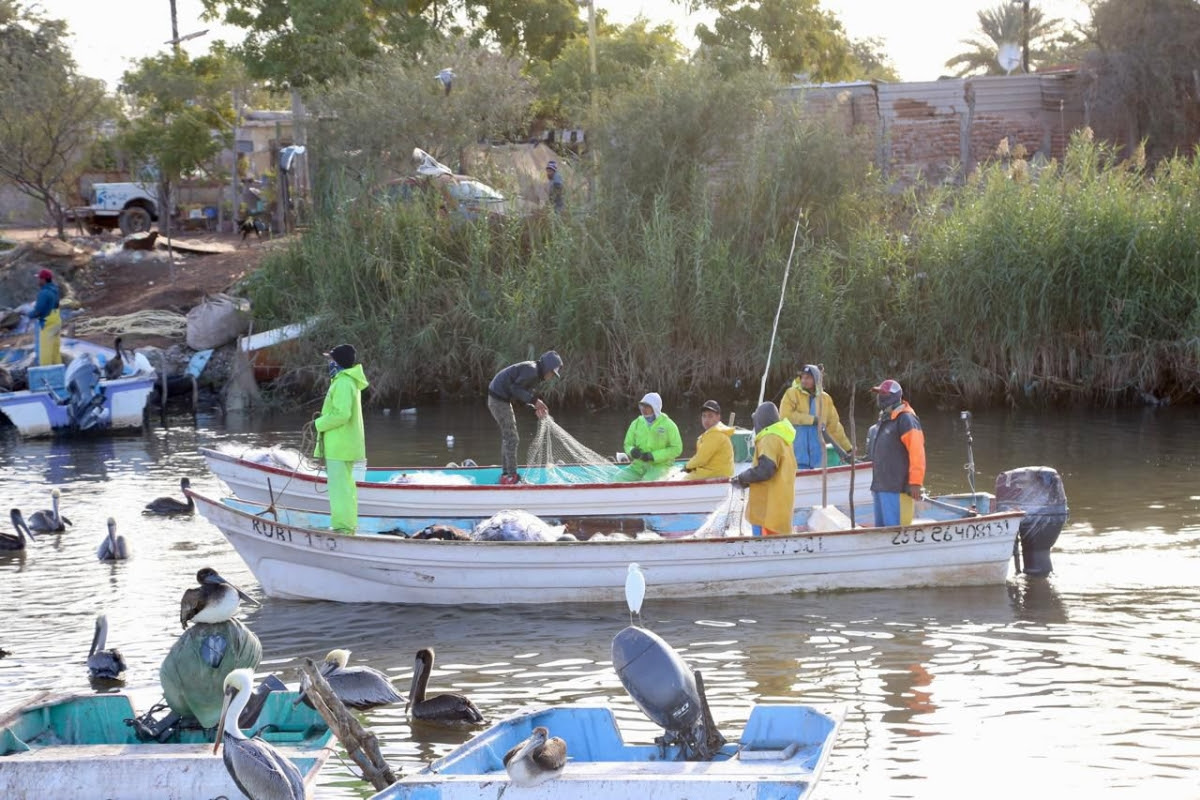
[(565, 458), (728, 518), (430, 479), (279, 457)]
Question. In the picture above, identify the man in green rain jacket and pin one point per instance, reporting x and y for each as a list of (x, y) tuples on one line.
[(652, 442), (340, 438)]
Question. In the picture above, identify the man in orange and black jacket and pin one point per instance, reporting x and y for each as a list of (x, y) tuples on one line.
[(897, 448)]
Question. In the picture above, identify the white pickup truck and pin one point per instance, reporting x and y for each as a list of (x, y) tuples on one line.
[(132, 207)]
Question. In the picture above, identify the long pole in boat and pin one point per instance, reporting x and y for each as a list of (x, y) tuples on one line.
[(817, 389), (853, 449), (762, 389)]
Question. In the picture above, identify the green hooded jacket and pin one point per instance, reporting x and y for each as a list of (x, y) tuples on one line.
[(340, 434)]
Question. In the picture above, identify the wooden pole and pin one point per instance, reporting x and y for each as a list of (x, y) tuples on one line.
[(360, 744), (853, 450)]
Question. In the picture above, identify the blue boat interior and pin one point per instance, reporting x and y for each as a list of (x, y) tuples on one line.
[(592, 735), (101, 719)]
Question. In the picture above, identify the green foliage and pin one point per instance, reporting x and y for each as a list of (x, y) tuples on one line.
[(1005, 23), (790, 37), (536, 29), (48, 112)]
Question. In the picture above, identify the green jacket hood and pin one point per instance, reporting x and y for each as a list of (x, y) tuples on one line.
[(355, 374)]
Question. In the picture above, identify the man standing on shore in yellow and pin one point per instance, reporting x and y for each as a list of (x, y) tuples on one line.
[(49, 320), (807, 406), (340, 437), (714, 447), (772, 479), (652, 442)]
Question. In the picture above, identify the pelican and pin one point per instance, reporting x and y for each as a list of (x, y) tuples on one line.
[(215, 600), (359, 687), (101, 663), (115, 365), (169, 506), (635, 593), (16, 542), (112, 547), (255, 766), (49, 521), (453, 710), (537, 759)]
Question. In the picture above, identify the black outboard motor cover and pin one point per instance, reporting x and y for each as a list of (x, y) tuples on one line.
[(85, 396), (1038, 491), (657, 679)]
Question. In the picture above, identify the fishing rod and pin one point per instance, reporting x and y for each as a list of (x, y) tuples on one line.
[(762, 389), (965, 416)]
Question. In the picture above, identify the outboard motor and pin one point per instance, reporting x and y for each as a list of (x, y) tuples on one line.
[(663, 687), (1038, 491), (85, 396)]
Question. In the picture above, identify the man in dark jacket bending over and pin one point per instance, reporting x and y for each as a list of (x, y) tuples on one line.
[(516, 384)]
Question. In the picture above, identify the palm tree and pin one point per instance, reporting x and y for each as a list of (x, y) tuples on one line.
[(1001, 24)]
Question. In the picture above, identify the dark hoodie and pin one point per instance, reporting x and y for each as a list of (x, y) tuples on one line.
[(517, 382)]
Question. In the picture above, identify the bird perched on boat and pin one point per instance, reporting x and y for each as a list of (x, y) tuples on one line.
[(49, 520), (112, 547), (635, 593), (449, 709), (15, 542), (359, 687), (538, 759), (169, 506), (104, 664), (257, 768), (115, 365), (214, 600)]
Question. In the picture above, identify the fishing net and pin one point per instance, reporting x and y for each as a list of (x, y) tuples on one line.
[(554, 449), (727, 519)]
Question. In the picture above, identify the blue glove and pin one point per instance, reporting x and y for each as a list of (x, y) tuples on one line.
[(635, 453), (647, 456)]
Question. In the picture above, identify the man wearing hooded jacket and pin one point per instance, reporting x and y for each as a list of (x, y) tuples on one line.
[(341, 440), (809, 407), (772, 479), (897, 450), (652, 441), (517, 383)]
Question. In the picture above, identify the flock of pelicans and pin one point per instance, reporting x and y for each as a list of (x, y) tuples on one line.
[(113, 547), (255, 766)]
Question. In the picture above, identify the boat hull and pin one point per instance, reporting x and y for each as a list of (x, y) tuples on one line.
[(294, 555), (674, 505), (36, 413)]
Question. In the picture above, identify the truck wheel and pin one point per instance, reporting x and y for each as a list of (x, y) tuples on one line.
[(134, 220)]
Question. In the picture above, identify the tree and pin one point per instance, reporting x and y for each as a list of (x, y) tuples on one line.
[(791, 37), (48, 113), (181, 115), (624, 55), (1005, 24), (1144, 68), (871, 62), (535, 29)]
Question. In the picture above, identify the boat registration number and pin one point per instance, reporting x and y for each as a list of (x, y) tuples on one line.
[(958, 532), (282, 533)]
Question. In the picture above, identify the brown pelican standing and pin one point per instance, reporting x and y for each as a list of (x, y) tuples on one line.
[(255, 766), (115, 365), (101, 663), (215, 600), (14, 543), (112, 547), (49, 520), (537, 759), (359, 687), (452, 710), (169, 506)]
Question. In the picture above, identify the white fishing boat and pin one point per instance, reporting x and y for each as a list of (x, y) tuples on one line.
[(779, 755), (294, 554), (75, 397), (85, 745), (463, 496)]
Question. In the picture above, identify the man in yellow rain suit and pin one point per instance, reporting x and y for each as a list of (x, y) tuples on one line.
[(772, 479), (714, 447), (807, 406), (652, 442), (340, 437), (49, 320)]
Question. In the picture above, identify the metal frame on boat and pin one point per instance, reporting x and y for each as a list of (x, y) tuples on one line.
[(294, 554)]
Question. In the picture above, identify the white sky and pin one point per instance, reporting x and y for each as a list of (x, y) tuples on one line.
[(919, 35)]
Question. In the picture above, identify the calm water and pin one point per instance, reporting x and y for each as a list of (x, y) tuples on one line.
[(1087, 682)]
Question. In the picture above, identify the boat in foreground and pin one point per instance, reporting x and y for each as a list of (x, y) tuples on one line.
[(75, 397), (779, 755), (463, 496), (295, 555), (81, 745)]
